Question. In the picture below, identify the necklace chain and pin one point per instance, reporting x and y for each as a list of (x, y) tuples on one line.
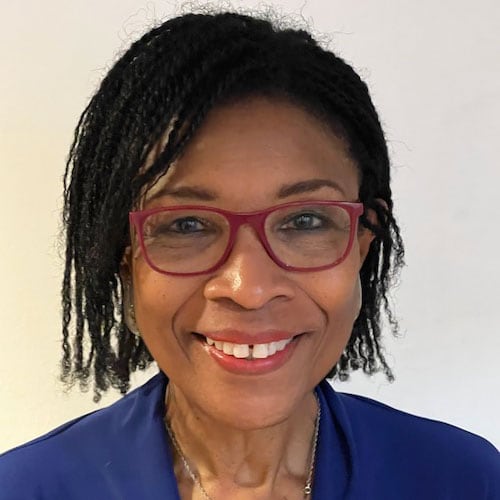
[(197, 482)]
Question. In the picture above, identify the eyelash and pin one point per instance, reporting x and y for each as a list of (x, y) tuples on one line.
[(292, 219)]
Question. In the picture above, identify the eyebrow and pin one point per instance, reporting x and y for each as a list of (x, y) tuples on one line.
[(188, 192), (202, 194), (308, 187)]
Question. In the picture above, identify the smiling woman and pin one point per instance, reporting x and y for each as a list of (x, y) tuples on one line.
[(293, 282), (229, 215)]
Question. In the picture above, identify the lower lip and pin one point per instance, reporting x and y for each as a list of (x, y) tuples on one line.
[(252, 366)]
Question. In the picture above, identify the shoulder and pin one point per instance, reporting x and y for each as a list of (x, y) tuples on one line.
[(417, 448), (77, 451), (367, 414)]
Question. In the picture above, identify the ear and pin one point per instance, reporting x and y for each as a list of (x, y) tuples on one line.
[(365, 236), (128, 309), (359, 288)]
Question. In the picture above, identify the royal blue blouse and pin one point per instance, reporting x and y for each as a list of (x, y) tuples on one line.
[(366, 451)]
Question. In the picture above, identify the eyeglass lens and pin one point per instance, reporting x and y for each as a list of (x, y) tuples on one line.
[(190, 241)]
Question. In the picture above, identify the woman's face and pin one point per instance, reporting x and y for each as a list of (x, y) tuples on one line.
[(244, 155)]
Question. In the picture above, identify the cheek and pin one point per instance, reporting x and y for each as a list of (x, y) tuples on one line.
[(339, 297), (342, 308), (338, 292), (158, 301)]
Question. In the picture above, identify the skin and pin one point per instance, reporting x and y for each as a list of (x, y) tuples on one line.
[(249, 436)]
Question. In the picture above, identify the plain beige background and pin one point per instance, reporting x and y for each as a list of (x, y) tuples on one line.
[(434, 71)]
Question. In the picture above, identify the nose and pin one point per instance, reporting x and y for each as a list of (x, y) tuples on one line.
[(249, 277)]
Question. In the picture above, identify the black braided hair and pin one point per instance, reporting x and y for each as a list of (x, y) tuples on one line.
[(169, 80)]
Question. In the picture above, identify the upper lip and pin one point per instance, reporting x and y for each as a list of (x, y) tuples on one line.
[(249, 338)]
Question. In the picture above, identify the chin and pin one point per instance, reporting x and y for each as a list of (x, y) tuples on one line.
[(257, 406)]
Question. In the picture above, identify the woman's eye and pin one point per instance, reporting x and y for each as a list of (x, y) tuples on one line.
[(304, 221), (174, 228), (186, 225)]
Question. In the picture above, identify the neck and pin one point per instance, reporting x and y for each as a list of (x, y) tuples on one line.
[(225, 457)]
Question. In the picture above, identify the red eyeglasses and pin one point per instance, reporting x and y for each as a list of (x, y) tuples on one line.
[(299, 236)]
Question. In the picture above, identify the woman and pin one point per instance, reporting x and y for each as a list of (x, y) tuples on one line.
[(229, 216)]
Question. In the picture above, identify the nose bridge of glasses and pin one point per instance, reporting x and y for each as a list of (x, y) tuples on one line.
[(255, 222)]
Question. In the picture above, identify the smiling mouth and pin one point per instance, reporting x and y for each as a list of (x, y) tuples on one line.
[(248, 351)]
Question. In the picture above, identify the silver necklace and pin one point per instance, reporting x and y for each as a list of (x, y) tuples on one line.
[(197, 482)]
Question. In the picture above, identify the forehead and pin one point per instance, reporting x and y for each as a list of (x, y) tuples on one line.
[(247, 151)]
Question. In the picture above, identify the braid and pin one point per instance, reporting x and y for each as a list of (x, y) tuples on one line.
[(169, 80)]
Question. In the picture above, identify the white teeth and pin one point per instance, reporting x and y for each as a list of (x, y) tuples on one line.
[(280, 345), (241, 351), (258, 351), (228, 348)]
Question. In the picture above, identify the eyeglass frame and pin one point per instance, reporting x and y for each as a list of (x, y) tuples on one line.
[(256, 220)]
